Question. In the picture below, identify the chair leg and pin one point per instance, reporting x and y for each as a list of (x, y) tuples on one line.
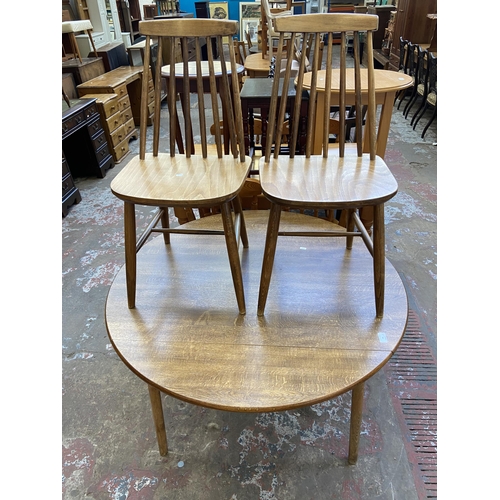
[(379, 258), (422, 104), (269, 252), (234, 257), (410, 104), (356, 419), (424, 109), (130, 252), (158, 418), (430, 121), (238, 210), (165, 223), (350, 228)]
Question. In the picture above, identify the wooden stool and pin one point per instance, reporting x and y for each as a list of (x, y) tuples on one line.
[(72, 27)]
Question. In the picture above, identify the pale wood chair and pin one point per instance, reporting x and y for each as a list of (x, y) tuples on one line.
[(343, 177), (192, 179)]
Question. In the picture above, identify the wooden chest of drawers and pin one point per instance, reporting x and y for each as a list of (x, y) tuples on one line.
[(117, 121)]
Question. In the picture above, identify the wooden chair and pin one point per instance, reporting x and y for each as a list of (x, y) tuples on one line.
[(343, 177), (269, 34), (191, 180)]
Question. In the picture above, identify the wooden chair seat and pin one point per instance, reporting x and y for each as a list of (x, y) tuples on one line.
[(318, 182), (164, 180)]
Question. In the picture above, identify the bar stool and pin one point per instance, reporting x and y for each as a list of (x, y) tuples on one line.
[(72, 27)]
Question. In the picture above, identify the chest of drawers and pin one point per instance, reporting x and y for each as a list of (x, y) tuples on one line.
[(117, 121)]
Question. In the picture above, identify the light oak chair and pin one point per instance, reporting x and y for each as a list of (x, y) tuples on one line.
[(343, 177), (189, 180)]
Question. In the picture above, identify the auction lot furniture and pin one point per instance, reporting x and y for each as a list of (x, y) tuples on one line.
[(185, 338), (188, 180), (125, 82)]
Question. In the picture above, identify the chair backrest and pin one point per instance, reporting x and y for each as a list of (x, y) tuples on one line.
[(432, 63), (422, 75), (349, 82), (413, 59), (213, 81), (403, 44)]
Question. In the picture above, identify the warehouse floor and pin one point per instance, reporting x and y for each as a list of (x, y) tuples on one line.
[(109, 448)]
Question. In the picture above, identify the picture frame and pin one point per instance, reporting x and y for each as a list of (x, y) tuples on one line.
[(250, 16), (219, 10)]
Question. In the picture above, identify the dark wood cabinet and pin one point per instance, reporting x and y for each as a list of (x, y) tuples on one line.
[(85, 146), (412, 24)]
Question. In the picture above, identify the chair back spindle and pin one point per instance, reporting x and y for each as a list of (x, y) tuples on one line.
[(210, 79), (313, 29)]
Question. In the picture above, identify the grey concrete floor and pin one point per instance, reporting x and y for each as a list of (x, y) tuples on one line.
[(109, 448)]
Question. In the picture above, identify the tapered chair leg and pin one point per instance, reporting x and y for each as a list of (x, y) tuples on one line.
[(356, 419), (238, 210), (159, 420), (429, 122), (130, 252), (379, 258), (165, 223), (269, 252), (233, 254)]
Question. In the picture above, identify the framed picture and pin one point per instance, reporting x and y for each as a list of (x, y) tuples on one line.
[(250, 15), (219, 10)]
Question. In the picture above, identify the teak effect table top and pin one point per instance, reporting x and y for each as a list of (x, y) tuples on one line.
[(318, 339)]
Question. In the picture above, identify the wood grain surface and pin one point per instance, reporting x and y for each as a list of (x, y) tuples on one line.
[(319, 337)]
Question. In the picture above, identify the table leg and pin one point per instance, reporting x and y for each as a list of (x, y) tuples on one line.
[(356, 418), (159, 420)]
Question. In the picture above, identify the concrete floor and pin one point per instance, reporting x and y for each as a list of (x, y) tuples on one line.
[(109, 448)]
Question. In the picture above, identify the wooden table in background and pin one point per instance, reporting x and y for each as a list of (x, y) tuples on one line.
[(256, 66), (205, 72), (319, 338), (387, 83)]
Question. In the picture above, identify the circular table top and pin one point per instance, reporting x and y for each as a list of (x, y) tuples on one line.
[(318, 339), (256, 62), (385, 80), (205, 69)]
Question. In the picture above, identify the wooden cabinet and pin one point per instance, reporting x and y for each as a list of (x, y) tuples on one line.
[(412, 24), (117, 121), (70, 193), (104, 16), (84, 143)]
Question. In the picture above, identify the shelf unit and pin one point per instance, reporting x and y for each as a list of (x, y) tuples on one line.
[(104, 16), (129, 13)]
